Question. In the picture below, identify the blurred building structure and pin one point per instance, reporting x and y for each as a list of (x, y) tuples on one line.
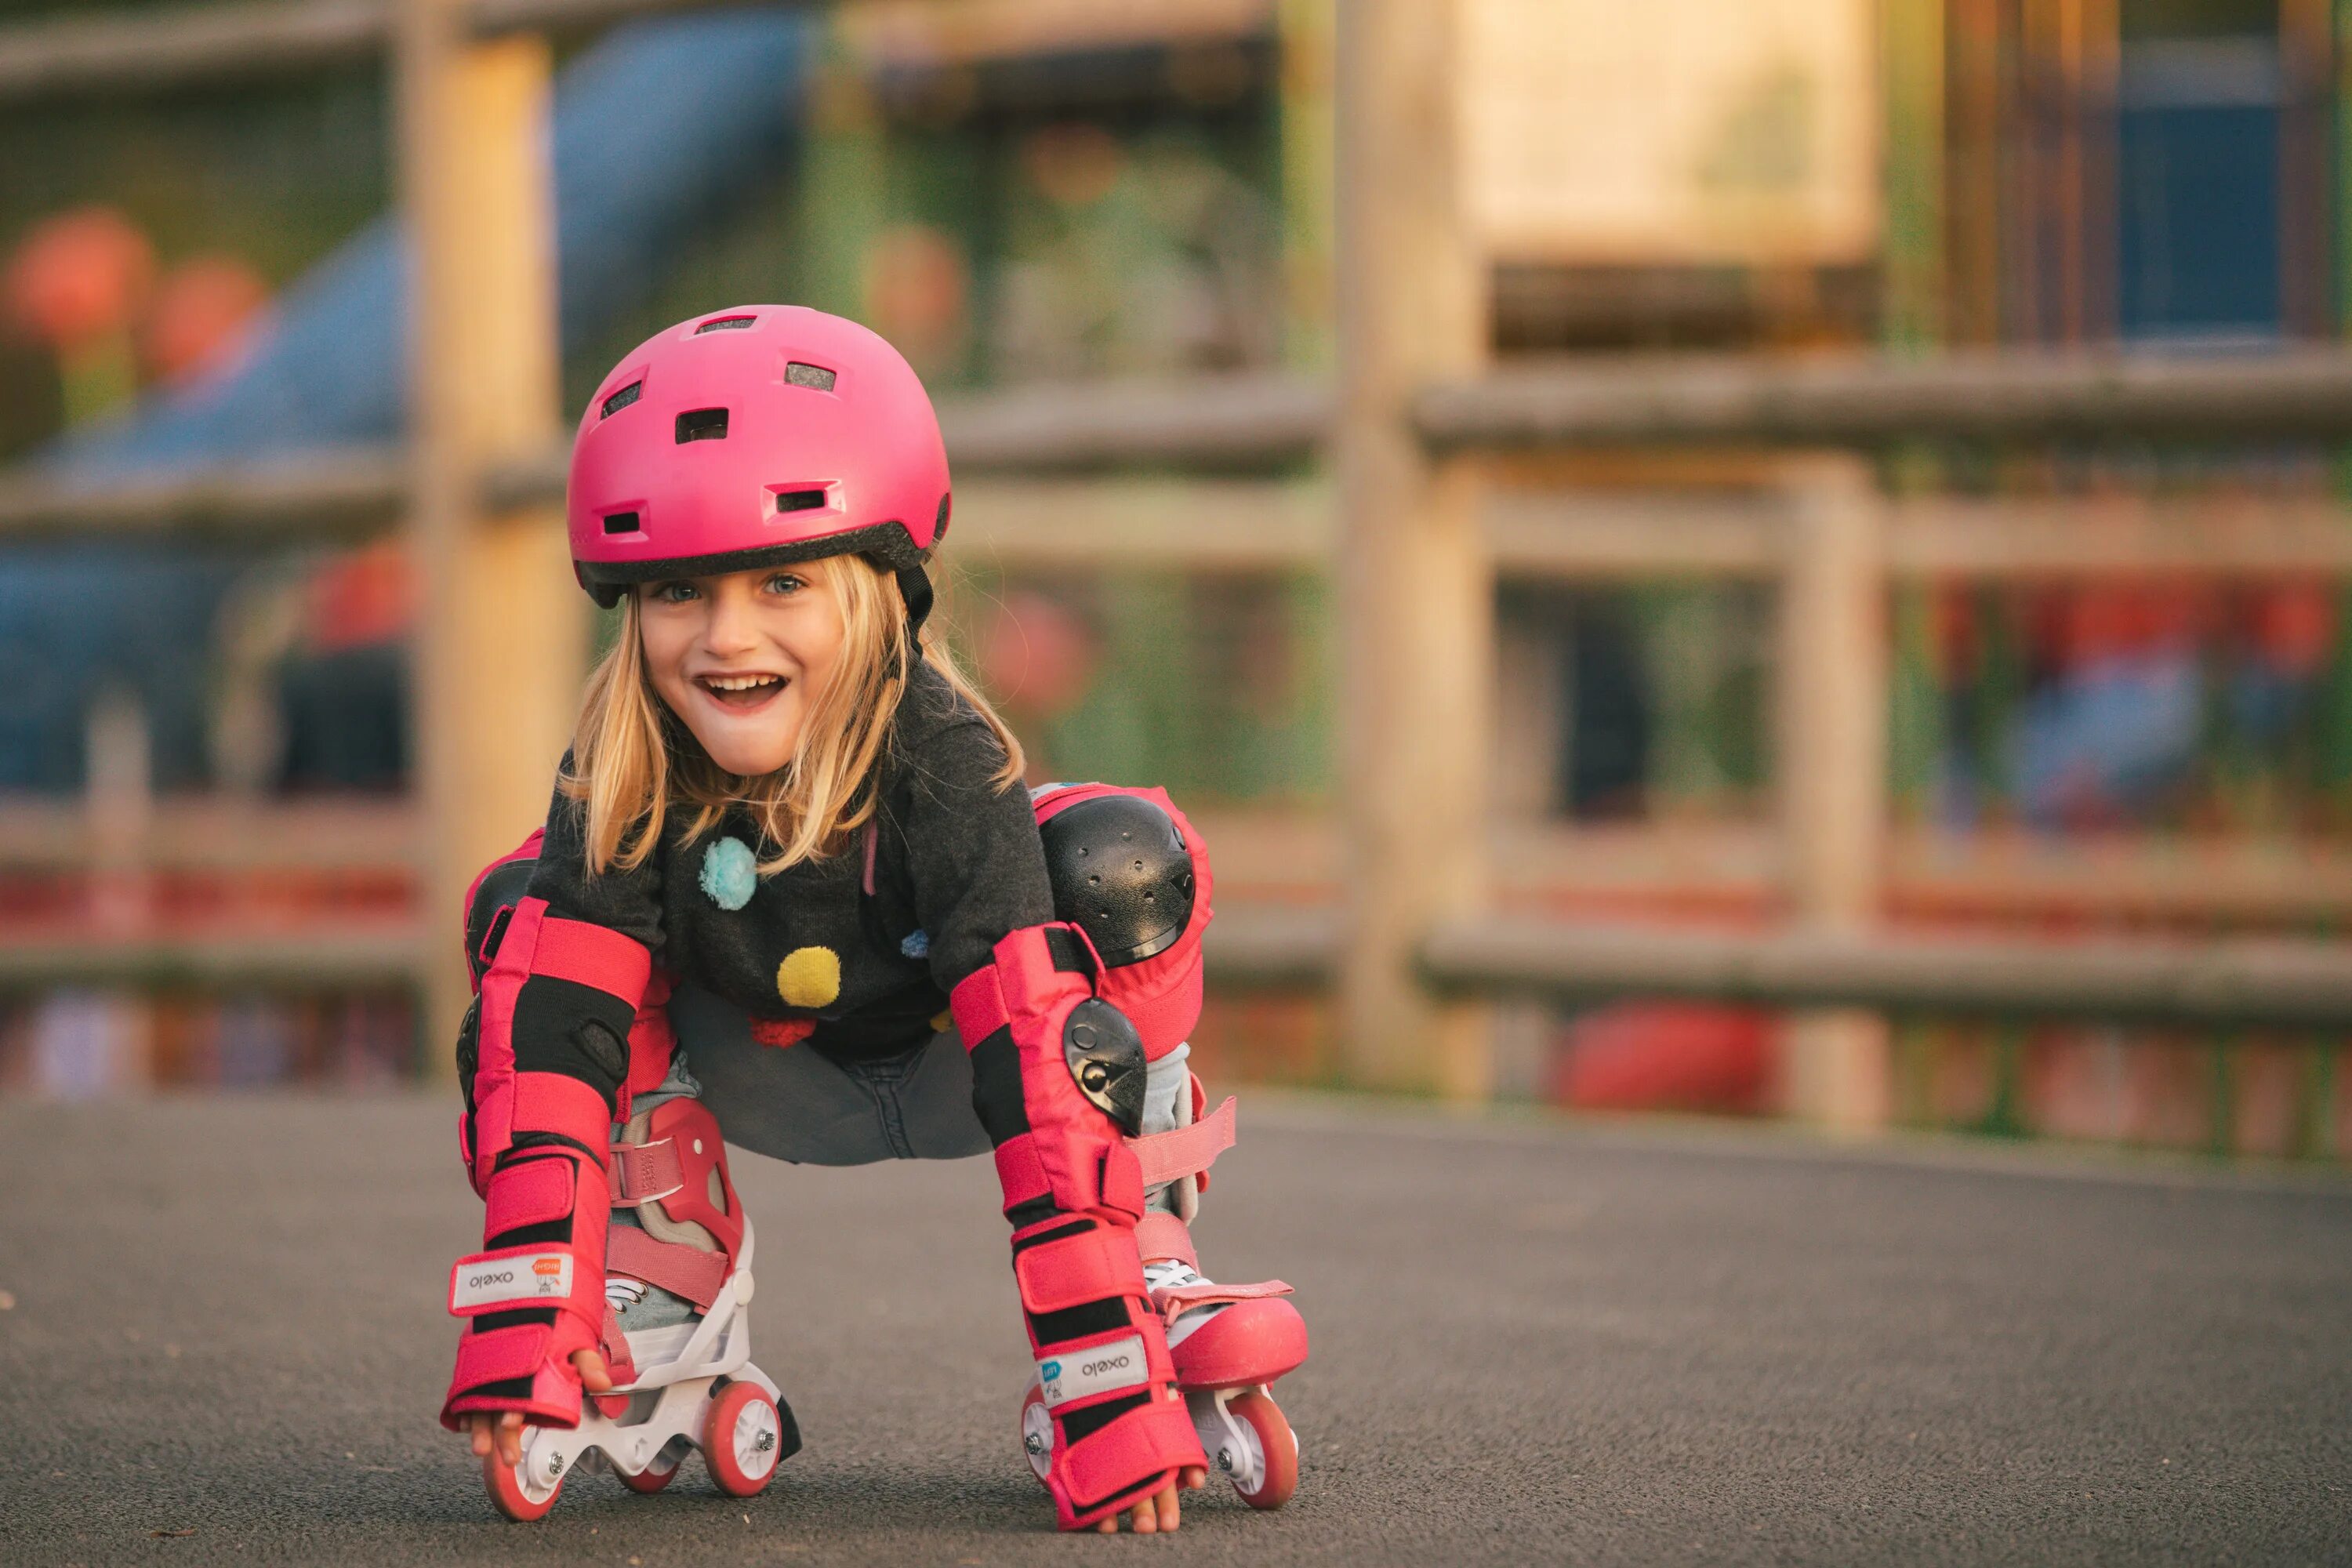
[(1744, 641)]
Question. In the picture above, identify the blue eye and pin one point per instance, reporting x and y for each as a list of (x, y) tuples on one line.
[(673, 592), (785, 582)]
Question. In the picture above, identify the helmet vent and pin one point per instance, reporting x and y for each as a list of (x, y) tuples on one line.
[(702, 425), (621, 522), (811, 376), (799, 501), (725, 324), (624, 397)]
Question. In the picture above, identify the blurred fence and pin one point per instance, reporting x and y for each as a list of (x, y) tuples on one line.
[(1411, 899)]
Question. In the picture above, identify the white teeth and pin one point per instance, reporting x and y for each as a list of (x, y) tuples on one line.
[(739, 683)]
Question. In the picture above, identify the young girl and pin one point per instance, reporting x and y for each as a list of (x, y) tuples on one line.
[(791, 893)]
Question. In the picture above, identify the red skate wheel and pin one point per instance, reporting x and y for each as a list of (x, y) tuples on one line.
[(743, 1439), (1276, 1440), (515, 1496), (1037, 1432), (653, 1478)]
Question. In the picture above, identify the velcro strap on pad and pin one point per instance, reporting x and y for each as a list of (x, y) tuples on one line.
[(590, 954), (1137, 1448), (1088, 1267), (1187, 1151), (1122, 1181), (643, 1172), (519, 1349), (530, 1192), (679, 1269), (1021, 1172), (559, 1104), (978, 1006)]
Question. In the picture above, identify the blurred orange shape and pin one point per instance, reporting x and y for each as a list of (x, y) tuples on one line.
[(78, 275), (203, 311), (1076, 163), (916, 286)]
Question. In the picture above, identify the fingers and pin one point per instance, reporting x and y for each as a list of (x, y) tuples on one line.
[(594, 1375), (503, 1432), (511, 1438), (1195, 1477), (1154, 1515)]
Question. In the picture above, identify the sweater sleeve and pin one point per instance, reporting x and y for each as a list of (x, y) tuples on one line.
[(973, 851)]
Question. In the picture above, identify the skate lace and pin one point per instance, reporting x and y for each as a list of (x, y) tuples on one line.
[(622, 1294), (1172, 1273)]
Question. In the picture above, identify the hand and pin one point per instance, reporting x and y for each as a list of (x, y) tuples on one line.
[(1158, 1513), (503, 1429)]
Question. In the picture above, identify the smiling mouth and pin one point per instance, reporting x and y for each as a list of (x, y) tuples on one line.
[(740, 691)]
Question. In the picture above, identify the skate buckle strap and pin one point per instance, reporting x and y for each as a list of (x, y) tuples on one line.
[(1187, 1151), (1161, 1236), (677, 1268), (1178, 1300), (644, 1173)]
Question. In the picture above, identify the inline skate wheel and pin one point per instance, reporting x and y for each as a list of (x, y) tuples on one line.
[(1279, 1442), (653, 1478), (1037, 1432), (522, 1498), (743, 1439)]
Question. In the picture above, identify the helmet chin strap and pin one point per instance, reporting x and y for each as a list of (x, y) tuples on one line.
[(915, 587)]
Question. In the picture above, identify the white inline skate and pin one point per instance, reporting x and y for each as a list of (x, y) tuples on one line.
[(677, 1263), (1228, 1343)]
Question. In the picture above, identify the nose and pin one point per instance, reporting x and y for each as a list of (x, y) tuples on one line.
[(731, 629)]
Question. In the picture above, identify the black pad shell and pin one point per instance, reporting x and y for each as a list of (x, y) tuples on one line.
[(1122, 874)]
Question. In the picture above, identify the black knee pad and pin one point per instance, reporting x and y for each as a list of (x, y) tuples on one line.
[(1121, 873)]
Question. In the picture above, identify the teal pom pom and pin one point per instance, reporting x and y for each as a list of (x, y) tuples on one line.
[(916, 945), (729, 873)]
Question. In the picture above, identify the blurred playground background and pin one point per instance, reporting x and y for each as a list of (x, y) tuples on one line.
[(2096, 693)]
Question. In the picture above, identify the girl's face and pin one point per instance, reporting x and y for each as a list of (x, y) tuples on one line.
[(739, 656)]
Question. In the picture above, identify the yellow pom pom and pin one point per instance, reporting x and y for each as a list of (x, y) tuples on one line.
[(809, 977)]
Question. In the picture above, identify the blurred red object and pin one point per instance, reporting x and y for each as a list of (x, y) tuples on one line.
[(78, 275), (2293, 626), (1036, 656), (364, 599), (203, 312), (1666, 1057)]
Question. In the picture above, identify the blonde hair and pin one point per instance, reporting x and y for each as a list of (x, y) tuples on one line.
[(634, 762)]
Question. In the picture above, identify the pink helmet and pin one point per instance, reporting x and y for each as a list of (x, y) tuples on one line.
[(751, 438)]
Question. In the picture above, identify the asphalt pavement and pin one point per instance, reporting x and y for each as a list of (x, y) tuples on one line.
[(1533, 1341)]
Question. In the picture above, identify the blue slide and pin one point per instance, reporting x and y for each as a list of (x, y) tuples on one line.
[(654, 127)]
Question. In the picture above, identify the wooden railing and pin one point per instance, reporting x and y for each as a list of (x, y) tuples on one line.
[(1441, 488)]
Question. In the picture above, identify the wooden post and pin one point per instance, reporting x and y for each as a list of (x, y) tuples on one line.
[(1305, 32), (502, 631), (1416, 586), (1832, 773)]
